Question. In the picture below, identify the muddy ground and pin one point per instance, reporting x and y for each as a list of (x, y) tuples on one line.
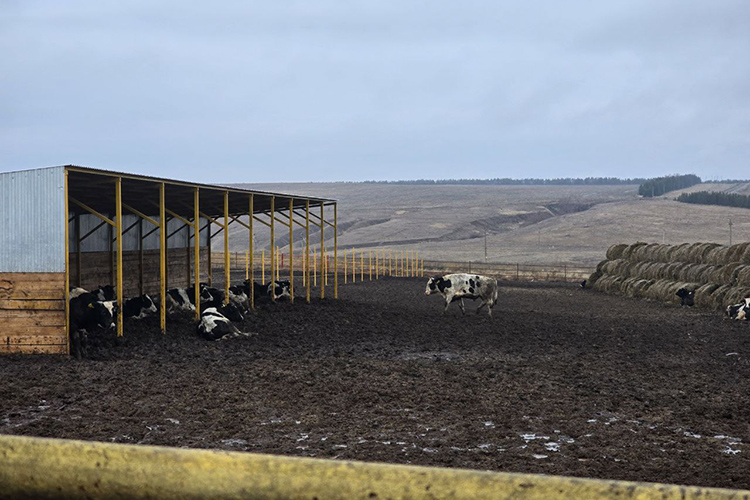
[(560, 381)]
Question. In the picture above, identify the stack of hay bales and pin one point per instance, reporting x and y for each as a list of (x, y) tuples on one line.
[(720, 275)]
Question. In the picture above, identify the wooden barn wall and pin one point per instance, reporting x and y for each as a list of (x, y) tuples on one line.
[(32, 313), (96, 269)]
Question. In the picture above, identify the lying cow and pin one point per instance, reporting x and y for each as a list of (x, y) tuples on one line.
[(457, 287), (276, 289), (686, 297), (739, 311), (215, 326), (138, 307), (86, 314), (183, 299)]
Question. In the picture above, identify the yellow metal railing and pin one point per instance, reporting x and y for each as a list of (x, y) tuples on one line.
[(56, 468)]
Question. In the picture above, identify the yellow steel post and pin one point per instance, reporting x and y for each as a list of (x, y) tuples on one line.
[(250, 245), (227, 269), (273, 238), (346, 269), (322, 253), (354, 265), (78, 249), (162, 259), (291, 248), (118, 228), (307, 248), (390, 262), (210, 263), (66, 248), (263, 266), (336, 251), (361, 265), (369, 264), (247, 265), (315, 268), (197, 256), (376, 263), (278, 260)]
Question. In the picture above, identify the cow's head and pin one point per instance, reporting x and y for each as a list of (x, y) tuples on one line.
[(104, 313), (148, 304), (436, 284), (280, 289), (232, 312)]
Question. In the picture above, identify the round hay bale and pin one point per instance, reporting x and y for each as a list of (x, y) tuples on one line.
[(676, 252), (717, 297), (735, 295), (662, 253), (698, 252), (600, 266), (736, 251), (614, 252), (745, 258), (628, 252), (644, 253), (703, 295), (727, 275), (743, 276), (593, 278), (717, 255)]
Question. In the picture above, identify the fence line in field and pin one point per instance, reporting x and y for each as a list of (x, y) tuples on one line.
[(365, 265)]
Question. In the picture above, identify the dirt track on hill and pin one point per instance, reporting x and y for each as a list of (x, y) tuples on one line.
[(560, 381)]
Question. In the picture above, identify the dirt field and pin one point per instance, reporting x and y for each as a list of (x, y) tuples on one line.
[(560, 381)]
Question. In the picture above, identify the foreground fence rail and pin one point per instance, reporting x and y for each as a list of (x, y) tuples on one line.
[(56, 468)]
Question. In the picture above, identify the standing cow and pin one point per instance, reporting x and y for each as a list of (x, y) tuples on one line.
[(464, 286)]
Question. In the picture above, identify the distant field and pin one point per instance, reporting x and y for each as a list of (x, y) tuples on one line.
[(524, 224)]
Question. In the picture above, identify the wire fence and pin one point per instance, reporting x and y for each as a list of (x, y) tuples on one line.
[(364, 265)]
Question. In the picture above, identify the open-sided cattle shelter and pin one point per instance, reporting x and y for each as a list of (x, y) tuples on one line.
[(79, 226)]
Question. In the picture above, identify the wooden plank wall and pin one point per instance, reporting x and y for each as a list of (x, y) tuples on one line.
[(32, 313), (96, 270)]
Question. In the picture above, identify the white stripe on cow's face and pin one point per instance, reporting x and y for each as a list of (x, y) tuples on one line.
[(110, 305)]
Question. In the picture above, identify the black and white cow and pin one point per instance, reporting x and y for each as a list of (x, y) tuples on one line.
[(457, 287), (138, 307), (239, 296), (686, 297), (583, 284), (76, 291), (183, 299), (104, 293), (279, 290), (86, 314), (739, 311), (215, 326)]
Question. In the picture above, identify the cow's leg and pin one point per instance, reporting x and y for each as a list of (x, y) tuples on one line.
[(461, 305), (484, 303)]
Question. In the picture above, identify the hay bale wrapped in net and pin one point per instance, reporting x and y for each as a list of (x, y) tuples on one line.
[(716, 300), (661, 254), (703, 295), (698, 252), (678, 253), (717, 255), (593, 278), (636, 287), (614, 252), (609, 284), (630, 250), (727, 275), (693, 273), (735, 295), (743, 276), (667, 271), (600, 266), (644, 253), (737, 251)]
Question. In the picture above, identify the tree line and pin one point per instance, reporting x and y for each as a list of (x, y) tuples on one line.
[(660, 185), (716, 198)]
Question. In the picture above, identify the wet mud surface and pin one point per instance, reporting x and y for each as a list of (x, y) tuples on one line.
[(560, 381)]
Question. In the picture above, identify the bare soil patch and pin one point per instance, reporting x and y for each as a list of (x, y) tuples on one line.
[(560, 381)]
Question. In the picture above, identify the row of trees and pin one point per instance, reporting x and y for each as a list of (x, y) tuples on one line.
[(565, 181), (660, 185), (716, 198)]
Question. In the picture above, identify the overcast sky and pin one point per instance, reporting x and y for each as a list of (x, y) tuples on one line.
[(262, 91)]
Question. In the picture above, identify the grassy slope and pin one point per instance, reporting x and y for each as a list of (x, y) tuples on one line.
[(448, 222)]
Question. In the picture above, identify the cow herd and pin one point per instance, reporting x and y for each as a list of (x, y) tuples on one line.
[(98, 309)]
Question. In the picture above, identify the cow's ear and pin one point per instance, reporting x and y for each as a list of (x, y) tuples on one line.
[(91, 305)]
